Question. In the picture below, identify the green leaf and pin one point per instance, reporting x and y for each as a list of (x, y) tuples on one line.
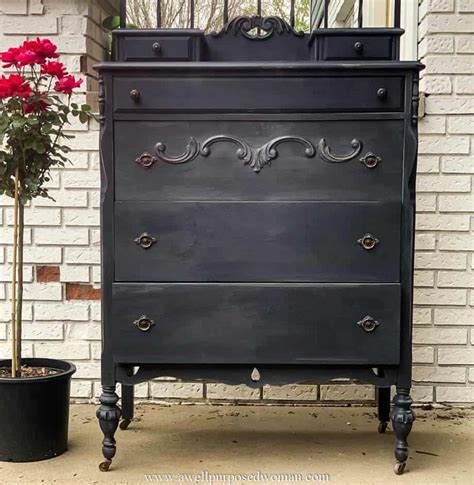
[(83, 118), (86, 108), (111, 23)]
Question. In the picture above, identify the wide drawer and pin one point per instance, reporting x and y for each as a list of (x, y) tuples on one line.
[(155, 48), (257, 241), (350, 47), (268, 94), (259, 160), (256, 323)]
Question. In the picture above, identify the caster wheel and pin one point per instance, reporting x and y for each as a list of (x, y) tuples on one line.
[(399, 468), (124, 424), (105, 465), (382, 427)]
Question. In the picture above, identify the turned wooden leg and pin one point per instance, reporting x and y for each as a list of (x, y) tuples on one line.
[(383, 407), (402, 418), (127, 406), (108, 415)]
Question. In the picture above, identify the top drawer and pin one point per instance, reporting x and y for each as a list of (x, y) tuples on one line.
[(259, 94), (355, 47)]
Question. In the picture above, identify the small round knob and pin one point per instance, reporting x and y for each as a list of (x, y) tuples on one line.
[(146, 160), (368, 324), (382, 93), (368, 242), (144, 323), (156, 47), (370, 160), (358, 46), (145, 241), (135, 94)]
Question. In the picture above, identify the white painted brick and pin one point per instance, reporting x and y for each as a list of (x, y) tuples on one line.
[(422, 393), (225, 391), (37, 217), (454, 394), (425, 373), (14, 7), (455, 279), (73, 24), (456, 242), (437, 296), (39, 255), (6, 273), (65, 311), (465, 44), (443, 183), (456, 203), (83, 331), (79, 160), (53, 236), (425, 241), (433, 336), (443, 23), (43, 331), (74, 274), (96, 274), (426, 202), (429, 144), (439, 44), (176, 390), (81, 389), (88, 180), (453, 316), (347, 392), (96, 311), (435, 85), (461, 125), (457, 164), (62, 350), (28, 25), (76, 198), (439, 5), (35, 7), (428, 164), (464, 84), (440, 261), (6, 235), (422, 316), (423, 355), (455, 356), (449, 105), (292, 392), (465, 6), (82, 255), (85, 141), (6, 350), (424, 279), (442, 222), (87, 370), (43, 291), (81, 217), (3, 331)]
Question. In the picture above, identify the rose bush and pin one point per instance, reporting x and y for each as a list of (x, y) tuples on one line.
[(35, 109)]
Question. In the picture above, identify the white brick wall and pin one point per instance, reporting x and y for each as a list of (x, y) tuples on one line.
[(62, 316)]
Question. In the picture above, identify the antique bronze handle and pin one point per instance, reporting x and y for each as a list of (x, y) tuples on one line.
[(145, 241), (358, 47), (382, 93), (135, 94), (157, 47), (368, 242), (368, 324), (370, 160), (146, 160), (144, 323)]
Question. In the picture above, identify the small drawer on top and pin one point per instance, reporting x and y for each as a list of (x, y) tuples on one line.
[(137, 46), (380, 45)]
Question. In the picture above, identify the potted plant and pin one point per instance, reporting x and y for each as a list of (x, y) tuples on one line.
[(35, 108)]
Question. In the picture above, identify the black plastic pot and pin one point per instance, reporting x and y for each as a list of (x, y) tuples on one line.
[(34, 412)]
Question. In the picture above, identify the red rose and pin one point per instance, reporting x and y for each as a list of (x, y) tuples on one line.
[(54, 68), (67, 84), (27, 57), (38, 105), (18, 86), (43, 48), (9, 57), (4, 88)]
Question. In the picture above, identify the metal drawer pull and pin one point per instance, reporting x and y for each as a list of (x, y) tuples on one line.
[(368, 324), (358, 47), (327, 156), (145, 241), (157, 47), (135, 94), (382, 93), (146, 160), (370, 160), (368, 242), (144, 323)]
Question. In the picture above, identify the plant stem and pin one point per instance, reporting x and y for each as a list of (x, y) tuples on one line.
[(19, 303), (14, 273)]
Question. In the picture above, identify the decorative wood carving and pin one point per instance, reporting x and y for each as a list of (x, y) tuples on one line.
[(257, 27)]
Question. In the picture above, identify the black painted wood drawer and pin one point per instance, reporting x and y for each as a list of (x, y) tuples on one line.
[(156, 48), (256, 323), (256, 241), (352, 47), (261, 94), (292, 175)]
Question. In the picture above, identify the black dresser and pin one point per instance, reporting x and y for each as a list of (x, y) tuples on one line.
[(258, 212)]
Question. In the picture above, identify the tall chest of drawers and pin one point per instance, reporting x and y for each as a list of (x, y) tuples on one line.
[(257, 218)]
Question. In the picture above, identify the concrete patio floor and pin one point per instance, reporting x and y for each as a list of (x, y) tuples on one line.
[(340, 442)]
